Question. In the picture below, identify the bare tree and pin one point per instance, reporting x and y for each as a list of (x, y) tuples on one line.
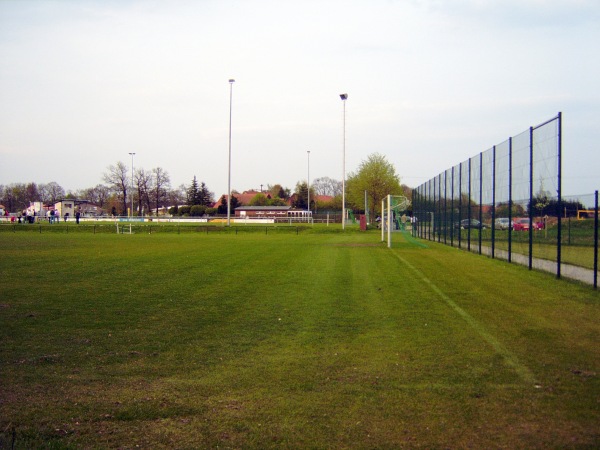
[(143, 181), (52, 192), (326, 186), (117, 179), (13, 197), (97, 195), (161, 184), (177, 196)]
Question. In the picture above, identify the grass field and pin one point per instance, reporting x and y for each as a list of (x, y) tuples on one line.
[(298, 338)]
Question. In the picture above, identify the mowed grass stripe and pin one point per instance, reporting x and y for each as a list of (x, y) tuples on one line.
[(510, 358)]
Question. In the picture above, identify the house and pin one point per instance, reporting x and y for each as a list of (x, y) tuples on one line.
[(262, 212), (244, 198), (71, 206)]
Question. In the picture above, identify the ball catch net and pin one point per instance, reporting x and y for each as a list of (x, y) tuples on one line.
[(393, 216)]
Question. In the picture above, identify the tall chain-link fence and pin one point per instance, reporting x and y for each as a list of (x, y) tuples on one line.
[(507, 202)]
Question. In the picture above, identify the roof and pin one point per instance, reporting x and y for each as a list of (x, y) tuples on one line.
[(245, 197)]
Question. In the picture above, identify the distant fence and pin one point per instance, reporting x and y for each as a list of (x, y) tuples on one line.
[(328, 217), (507, 202)]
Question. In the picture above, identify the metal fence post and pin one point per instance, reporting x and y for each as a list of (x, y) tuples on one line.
[(452, 210), (510, 200), (596, 240), (480, 199), (530, 206), (459, 205), (469, 209), (559, 189), (494, 202)]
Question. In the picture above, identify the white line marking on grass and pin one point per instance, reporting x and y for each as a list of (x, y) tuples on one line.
[(510, 358)]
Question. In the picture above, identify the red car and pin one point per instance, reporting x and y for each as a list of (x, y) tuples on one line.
[(523, 225)]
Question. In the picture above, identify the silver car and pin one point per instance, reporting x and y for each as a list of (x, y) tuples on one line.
[(502, 223)]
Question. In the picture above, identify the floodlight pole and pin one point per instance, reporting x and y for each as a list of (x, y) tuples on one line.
[(231, 81), (131, 212), (344, 97)]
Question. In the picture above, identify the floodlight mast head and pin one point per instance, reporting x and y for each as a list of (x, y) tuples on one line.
[(344, 96)]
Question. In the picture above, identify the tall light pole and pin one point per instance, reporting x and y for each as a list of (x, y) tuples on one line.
[(131, 212), (231, 81), (344, 97), (308, 180)]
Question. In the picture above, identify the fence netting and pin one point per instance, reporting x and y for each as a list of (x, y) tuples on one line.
[(507, 202)]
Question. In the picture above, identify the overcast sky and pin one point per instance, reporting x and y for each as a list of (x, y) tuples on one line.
[(430, 83)]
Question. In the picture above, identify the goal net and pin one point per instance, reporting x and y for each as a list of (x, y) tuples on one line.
[(393, 216)]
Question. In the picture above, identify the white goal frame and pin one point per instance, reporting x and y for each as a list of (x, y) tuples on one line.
[(386, 214)]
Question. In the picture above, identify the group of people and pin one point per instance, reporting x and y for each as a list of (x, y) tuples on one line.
[(53, 216)]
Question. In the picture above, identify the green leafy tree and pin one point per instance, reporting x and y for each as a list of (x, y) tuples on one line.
[(197, 210), (276, 201), (378, 178), (259, 199), (278, 190), (502, 210), (192, 193), (301, 199), (205, 197)]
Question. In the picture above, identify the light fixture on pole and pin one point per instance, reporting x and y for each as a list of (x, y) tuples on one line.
[(231, 81), (308, 181), (131, 212), (344, 97)]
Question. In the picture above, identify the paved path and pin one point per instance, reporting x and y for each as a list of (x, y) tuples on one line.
[(566, 270)]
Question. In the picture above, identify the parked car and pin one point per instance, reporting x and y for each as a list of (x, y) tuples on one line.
[(470, 223), (503, 223), (522, 224)]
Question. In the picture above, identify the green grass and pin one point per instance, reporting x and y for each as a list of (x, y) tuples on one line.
[(577, 242), (307, 338)]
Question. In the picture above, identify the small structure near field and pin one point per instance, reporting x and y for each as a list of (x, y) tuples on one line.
[(278, 213)]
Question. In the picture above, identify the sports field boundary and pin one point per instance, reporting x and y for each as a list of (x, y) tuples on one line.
[(569, 271)]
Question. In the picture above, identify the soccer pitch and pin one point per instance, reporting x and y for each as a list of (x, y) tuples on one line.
[(289, 340)]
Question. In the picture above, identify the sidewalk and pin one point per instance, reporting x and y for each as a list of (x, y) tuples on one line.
[(566, 270)]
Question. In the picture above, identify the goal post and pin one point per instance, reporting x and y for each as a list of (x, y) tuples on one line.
[(583, 214), (392, 209)]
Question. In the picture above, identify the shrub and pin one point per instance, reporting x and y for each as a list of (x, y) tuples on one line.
[(197, 210)]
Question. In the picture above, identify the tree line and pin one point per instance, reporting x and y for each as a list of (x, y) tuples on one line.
[(151, 191)]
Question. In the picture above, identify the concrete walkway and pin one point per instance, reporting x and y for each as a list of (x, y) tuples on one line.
[(566, 270)]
